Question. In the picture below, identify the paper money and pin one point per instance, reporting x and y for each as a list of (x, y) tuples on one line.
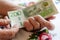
[(45, 8), (17, 18)]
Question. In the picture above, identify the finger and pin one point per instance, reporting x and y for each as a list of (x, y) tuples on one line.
[(49, 25), (8, 26), (44, 23), (40, 19), (8, 33), (6, 17), (4, 22), (35, 24), (50, 18), (28, 25)]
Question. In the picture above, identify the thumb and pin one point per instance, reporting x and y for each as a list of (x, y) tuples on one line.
[(49, 25), (15, 28), (4, 22)]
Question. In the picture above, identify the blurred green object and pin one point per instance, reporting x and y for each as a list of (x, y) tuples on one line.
[(37, 33)]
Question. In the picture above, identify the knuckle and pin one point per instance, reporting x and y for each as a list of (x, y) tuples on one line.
[(28, 26)]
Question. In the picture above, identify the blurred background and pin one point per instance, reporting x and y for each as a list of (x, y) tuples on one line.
[(56, 21)]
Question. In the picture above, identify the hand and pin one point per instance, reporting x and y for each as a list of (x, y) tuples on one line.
[(38, 22), (6, 6), (8, 32)]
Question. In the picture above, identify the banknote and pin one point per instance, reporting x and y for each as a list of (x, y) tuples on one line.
[(45, 8), (17, 17)]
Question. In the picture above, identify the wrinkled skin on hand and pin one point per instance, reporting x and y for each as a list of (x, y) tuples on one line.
[(6, 6), (8, 32), (30, 24), (38, 22), (35, 22)]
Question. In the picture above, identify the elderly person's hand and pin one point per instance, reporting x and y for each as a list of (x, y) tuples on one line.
[(38, 22), (6, 6), (33, 23), (7, 32)]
